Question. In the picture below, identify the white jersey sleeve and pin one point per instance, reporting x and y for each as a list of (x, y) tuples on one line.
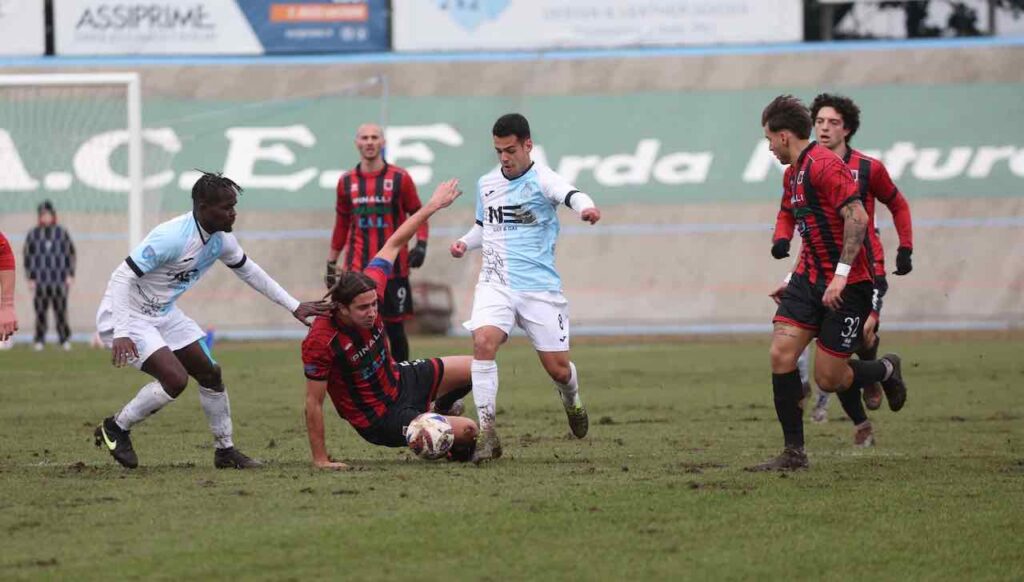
[(231, 254), (162, 245)]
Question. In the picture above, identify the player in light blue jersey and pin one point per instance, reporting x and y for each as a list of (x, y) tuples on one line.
[(517, 227), (139, 321)]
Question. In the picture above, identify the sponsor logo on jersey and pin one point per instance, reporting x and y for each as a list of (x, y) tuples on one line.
[(514, 214)]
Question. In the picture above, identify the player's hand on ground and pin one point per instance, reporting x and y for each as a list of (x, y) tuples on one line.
[(445, 193), (331, 465), (8, 323), (833, 298), (458, 249), (308, 309), (904, 264), (591, 215), (418, 254), (777, 294), (123, 352)]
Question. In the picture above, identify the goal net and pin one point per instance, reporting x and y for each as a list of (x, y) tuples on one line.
[(114, 167)]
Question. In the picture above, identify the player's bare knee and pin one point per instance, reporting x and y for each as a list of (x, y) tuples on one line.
[(783, 359), (174, 383), (484, 347), (828, 380), (211, 378), (559, 371)]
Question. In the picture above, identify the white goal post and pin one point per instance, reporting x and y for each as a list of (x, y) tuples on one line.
[(133, 123)]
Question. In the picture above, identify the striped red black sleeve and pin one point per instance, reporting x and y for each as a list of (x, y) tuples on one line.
[(785, 222), (343, 216), (316, 355)]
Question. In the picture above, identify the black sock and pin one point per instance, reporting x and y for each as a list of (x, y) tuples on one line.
[(398, 340), (870, 353), (788, 391), (852, 405), (867, 372), (446, 401)]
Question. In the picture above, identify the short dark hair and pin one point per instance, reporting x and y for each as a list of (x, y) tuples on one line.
[(349, 285), (846, 108), (787, 112), (211, 185), (512, 124)]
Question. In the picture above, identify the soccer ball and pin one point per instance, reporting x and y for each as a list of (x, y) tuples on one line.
[(429, 436)]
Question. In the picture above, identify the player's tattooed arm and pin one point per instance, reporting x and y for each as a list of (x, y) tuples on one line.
[(855, 225)]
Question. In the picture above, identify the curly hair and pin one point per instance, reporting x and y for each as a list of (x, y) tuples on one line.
[(210, 185), (846, 108)]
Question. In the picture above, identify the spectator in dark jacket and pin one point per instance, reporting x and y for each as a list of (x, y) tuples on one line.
[(50, 265)]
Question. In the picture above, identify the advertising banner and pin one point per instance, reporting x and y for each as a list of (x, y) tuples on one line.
[(452, 25), (661, 148), (22, 27), (208, 27)]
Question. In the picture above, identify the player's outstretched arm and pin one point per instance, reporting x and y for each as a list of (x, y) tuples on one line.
[(254, 276), (315, 392), (445, 193)]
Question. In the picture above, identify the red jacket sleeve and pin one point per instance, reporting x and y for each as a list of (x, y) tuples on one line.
[(411, 204), (785, 222), (6, 254), (343, 217), (887, 193)]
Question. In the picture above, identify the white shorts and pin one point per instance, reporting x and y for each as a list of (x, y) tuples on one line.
[(174, 331), (543, 315)]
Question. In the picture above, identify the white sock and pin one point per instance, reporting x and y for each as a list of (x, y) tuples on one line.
[(485, 391), (150, 398), (217, 408), (570, 392), (804, 364)]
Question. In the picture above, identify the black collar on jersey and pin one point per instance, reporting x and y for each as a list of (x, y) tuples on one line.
[(359, 171), (849, 154), (201, 231), (528, 168), (803, 154)]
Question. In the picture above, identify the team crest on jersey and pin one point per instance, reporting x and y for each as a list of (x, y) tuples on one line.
[(389, 184), (856, 174), (148, 253), (800, 177)]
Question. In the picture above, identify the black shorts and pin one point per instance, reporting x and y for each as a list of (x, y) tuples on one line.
[(417, 386), (881, 288), (397, 304), (839, 332)]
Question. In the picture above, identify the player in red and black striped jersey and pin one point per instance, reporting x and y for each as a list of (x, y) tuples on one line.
[(8, 319), (829, 294), (347, 356), (836, 120), (374, 198)]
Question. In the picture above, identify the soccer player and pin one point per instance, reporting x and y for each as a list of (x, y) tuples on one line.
[(836, 120), (517, 226), (345, 355), (50, 266), (829, 293), (139, 321), (8, 319), (373, 200)]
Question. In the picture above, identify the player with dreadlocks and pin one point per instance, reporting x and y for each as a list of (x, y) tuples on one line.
[(139, 321)]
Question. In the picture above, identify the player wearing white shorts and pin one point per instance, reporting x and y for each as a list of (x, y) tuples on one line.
[(139, 321), (517, 227)]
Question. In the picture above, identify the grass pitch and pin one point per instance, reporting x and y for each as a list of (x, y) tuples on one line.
[(656, 491)]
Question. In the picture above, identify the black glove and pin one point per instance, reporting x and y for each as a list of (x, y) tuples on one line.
[(418, 254), (780, 249), (331, 276), (903, 264)]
